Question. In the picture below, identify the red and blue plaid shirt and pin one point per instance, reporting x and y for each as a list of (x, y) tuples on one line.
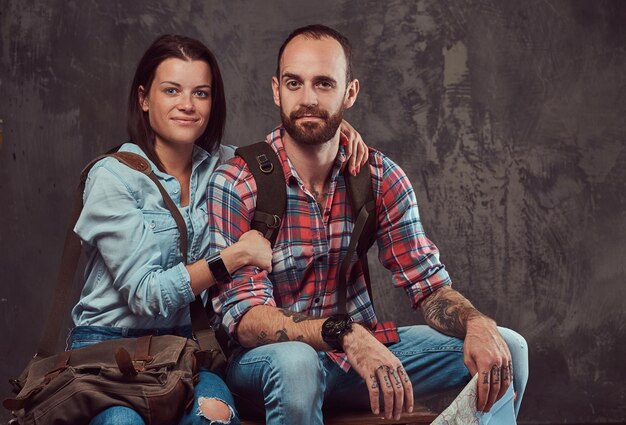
[(312, 243)]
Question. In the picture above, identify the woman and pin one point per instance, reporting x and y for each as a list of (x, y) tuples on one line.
[(136, 282)]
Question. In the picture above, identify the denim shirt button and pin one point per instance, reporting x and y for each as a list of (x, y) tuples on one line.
[(152, 224), (176, 190)]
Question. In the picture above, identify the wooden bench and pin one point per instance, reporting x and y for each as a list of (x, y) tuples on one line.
[(421, 415)]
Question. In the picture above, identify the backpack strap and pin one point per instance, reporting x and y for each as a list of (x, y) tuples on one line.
[(72, 249), (364, 231), (271, 199)]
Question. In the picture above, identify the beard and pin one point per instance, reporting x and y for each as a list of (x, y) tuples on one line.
[(312, 133)]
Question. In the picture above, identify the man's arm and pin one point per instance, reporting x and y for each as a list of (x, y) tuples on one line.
[(485, 351), (379, 368)]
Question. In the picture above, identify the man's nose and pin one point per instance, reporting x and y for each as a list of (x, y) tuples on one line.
[(309, 96)]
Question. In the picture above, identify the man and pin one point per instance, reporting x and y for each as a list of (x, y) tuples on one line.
[(287, 364)]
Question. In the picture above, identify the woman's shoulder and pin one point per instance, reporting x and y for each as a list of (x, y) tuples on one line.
[(109, 170)]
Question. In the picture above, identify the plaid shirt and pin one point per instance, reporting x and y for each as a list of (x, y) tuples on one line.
[(311, 244)]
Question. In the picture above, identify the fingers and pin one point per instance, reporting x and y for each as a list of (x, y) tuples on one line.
[(495, 377), (374, 390), (408, 389), (387, 389), (506, 375), (363, 152)]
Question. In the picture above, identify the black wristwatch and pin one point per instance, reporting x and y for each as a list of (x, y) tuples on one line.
[(218, 269), (334, 328)]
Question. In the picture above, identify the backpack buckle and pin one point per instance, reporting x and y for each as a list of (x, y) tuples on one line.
[(265, 164)]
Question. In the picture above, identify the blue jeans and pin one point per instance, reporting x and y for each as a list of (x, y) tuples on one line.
[(209, 385), (290, 381)]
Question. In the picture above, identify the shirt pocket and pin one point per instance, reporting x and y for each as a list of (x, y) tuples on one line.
[(163, 226), (291, 269)]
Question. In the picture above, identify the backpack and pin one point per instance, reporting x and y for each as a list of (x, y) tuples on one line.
[(271, 203)]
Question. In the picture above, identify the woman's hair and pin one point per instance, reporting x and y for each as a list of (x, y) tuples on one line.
[(185, 48)]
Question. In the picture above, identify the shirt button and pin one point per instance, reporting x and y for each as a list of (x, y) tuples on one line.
[(152, 224), (176, 190), (317, 300)]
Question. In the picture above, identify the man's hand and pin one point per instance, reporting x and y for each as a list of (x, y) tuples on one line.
[(486, 353), (381, 371)]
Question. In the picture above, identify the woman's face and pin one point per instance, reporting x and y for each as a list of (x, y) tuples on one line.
[(179, 101)]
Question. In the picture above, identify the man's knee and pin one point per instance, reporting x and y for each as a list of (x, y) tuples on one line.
[(295, 364)]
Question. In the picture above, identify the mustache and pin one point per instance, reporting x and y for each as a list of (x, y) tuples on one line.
[(309, 110)]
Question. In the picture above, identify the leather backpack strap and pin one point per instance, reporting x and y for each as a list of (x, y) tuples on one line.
[(271, 199), (363, 235)]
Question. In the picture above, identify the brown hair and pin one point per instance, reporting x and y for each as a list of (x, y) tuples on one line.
[(317, 32), (185, 48)]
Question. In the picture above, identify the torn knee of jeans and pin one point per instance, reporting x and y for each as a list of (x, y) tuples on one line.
[(215, 410)]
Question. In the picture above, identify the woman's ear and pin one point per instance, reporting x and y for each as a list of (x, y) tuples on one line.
[(143, 99)]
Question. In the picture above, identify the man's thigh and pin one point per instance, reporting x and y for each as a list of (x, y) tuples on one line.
[(433, 361), (289, 372)]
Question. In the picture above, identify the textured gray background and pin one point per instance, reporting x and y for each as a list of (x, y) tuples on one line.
[(508, 117)]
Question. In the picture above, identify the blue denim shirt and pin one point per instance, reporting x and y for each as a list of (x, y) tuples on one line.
[(135, 276)]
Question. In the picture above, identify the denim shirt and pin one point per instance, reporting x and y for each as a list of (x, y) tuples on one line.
[(135, 275)]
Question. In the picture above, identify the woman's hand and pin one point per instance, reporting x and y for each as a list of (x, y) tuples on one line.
[(356, 149), (256, 250)]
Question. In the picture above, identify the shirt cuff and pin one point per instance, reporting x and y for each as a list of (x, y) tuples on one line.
[(179, 293)]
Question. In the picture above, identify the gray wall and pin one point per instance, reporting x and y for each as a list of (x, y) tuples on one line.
[(508, 117)]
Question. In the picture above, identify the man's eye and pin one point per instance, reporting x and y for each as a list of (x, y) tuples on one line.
[(325, 84), (292, 84)]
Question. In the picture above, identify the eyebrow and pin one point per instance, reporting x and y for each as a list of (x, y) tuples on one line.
[(288, 75), (173, 83)]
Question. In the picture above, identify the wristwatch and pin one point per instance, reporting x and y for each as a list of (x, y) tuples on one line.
[(218, 269), (334, 328)]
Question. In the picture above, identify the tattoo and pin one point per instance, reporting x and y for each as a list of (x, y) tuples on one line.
[(447, 311), (495, 370), (281, 335), (396, 378), (374, 382), (403, 374), (485, 378), (387, 381), (262, 339), (508, 372), (295, 316)]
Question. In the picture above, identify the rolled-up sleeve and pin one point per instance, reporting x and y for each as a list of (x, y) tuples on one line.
[(403, 246), (113, 222), (231, 198)]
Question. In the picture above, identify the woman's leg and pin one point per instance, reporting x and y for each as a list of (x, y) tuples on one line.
[(117, 415), (213, 403)]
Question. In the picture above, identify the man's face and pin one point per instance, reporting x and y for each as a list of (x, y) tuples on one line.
[(311, 90)]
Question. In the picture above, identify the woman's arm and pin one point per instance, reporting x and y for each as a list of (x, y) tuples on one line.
[(251, 249)]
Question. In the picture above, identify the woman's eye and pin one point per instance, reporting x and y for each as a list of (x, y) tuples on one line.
[(202, 93), (170, 90)]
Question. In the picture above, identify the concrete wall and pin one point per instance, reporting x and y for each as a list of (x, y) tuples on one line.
[(508, 117)]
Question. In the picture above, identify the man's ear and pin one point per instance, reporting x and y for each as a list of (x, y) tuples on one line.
[(276, 91), (143, 100), (351, 93)]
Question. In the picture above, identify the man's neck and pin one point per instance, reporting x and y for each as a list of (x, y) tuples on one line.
[(313, 163)]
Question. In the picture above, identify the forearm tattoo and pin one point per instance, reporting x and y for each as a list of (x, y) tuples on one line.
[(295, 316), (281, 336), (446, 314)]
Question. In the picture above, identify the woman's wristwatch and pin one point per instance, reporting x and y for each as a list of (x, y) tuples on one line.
[(218, 269)]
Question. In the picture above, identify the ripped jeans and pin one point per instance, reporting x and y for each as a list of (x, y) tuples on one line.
[(209, 385)]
